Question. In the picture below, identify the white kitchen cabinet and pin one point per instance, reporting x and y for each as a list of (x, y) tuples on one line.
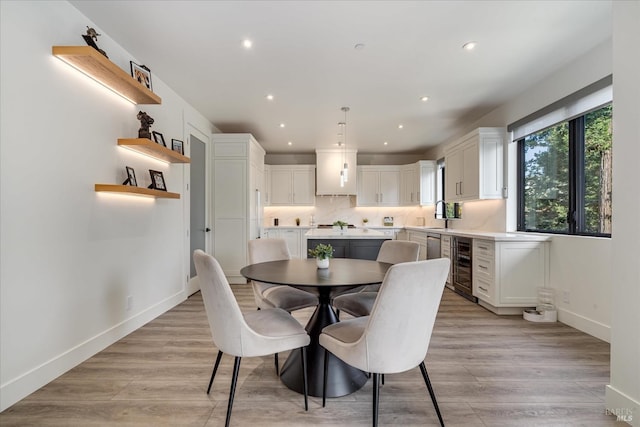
[(291, 236), (445, 252), (329, 163), (238, 164), (417, 183), (507, 275), (266, 196), (474, 166), (378, 186), (292, 185), (420, 238)]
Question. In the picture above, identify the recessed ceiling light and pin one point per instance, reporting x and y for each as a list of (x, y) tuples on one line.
[(246, 43), (424, 98), (281, 125), (400, 126), (386, 143), (469, 45), (289, 143), (269, 97)]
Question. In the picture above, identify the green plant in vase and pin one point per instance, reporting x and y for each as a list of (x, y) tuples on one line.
[(322, 253)]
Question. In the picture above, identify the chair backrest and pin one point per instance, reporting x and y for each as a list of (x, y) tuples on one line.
[(265, 250), (399, 328), (397, 251), (223, 312)]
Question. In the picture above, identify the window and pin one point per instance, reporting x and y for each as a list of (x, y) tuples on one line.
[(564, 177)]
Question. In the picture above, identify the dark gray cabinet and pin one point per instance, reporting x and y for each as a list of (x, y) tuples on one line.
[(350, 248)]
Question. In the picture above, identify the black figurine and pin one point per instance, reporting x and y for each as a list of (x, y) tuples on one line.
[(91, 38), (145, 123)]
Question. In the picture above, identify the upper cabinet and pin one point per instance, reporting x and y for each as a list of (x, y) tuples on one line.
[(378, 186), (329, 164), (417, 183), (292, 185), (474, 166), (98, 67)]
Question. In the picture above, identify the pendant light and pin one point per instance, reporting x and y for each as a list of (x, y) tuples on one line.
[(344, 174)]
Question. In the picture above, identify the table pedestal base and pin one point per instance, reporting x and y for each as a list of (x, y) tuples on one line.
[(343, 379)]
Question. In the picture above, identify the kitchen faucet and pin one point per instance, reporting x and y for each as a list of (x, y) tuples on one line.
[(444, 212)]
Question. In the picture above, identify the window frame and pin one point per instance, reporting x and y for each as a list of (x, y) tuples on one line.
[(576, 219)]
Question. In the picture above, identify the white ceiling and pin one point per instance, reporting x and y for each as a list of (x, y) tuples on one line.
[(303, 53)]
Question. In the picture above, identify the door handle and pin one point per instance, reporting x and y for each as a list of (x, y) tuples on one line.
[(206, 230)]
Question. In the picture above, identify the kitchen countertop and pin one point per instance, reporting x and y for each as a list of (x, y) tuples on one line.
[(349, 233), (488, 235)]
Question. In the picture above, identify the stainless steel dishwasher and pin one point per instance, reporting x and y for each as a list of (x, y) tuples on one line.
[(433, 246)]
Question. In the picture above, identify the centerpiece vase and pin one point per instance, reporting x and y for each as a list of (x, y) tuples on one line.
[(322, 262)]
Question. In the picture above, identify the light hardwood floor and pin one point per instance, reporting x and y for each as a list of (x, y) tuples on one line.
[(486, 370)]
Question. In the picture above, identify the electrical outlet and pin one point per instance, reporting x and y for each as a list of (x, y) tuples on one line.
[(566, 297), (128, 303)]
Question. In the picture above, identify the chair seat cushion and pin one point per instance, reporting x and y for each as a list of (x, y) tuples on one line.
[(271, 324), (288, 298), (347, 331), (357, 305)]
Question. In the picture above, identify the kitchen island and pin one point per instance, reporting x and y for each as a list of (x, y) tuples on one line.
[(359, 243)]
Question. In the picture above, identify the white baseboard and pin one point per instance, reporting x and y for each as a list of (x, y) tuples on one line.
[(622, 406), (20, 387), (584, 324)]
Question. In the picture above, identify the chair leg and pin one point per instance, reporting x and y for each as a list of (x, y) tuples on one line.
[(215, 369), (423, 369), (275, 357), (376, 398), (232, 391), (382, 375), (324, 379), (337, 314), (304, 377)]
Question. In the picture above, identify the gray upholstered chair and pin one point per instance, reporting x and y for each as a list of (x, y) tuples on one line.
[(257, 333), (268, 295), (395, 337), (360, 303)]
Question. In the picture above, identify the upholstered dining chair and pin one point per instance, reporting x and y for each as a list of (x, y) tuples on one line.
[(257, 333), (395, 337), (360, 303), (268, 295)]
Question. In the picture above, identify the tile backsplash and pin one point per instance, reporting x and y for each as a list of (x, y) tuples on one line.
[(330, 208), (485, 215)]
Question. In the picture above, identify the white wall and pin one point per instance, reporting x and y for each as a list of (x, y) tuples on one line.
[(70, 257), (623, 393)]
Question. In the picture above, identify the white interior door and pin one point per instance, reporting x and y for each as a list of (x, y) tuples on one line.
[(198, 212)]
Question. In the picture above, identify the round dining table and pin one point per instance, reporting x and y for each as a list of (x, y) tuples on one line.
[(343, 274)]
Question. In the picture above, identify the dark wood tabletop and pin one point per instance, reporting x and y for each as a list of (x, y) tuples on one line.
[(342, 272)]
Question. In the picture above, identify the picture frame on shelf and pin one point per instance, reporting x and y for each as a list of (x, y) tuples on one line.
[(177, 145), (157, 181), (158, 138), (131, 177), (142, 74)]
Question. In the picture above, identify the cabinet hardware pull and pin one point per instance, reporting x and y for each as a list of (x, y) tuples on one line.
[(483, 247), (482, 289), (461, 190), (483, 267)]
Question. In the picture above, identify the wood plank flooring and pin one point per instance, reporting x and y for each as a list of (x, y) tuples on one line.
[(486, 370)]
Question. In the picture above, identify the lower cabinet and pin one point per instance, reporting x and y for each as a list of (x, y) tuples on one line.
[(507, 275), (445, 252), (293, 237), (421, 239), (350, 248)]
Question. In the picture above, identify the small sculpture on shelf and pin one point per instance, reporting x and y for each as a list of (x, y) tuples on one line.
[(145, 123), (91, 38)]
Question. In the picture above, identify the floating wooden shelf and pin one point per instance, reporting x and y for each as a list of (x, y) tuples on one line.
[(98, 67), (137, 191), (152, 149)]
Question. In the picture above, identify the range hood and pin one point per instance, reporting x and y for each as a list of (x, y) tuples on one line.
[(328, 165)]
